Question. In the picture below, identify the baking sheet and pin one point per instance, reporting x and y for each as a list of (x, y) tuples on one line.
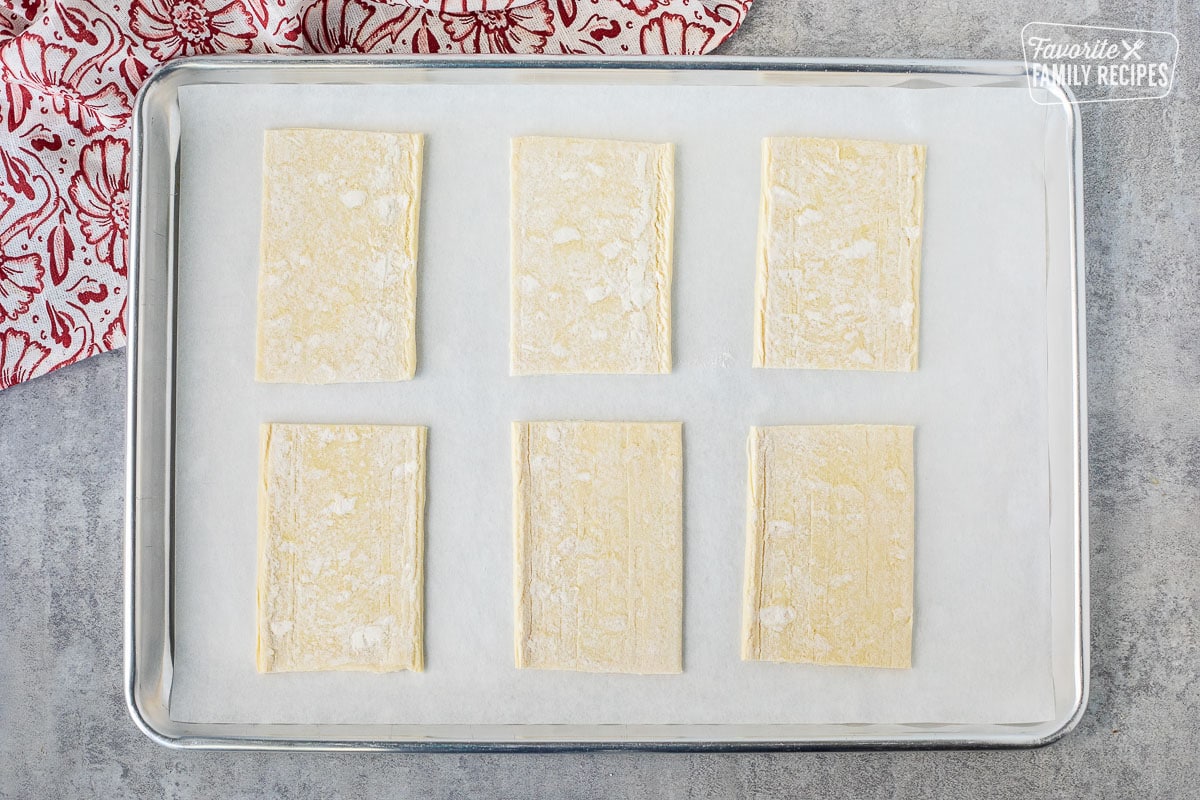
[(981, 644)]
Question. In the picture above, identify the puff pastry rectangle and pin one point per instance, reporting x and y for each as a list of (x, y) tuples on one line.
[(839, 254), (829, 552), (591, 256), (337, 281), (341, 544), (598, 525)]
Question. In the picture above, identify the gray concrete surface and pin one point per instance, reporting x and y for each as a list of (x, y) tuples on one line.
[(63, 728)]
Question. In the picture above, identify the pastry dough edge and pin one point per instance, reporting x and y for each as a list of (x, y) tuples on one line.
[(260, 373), (412, 245), (752, 580), (263, 661), (917, 220), (521, 531), (676, 428), (418, 664), (664, 218), (760, 272)]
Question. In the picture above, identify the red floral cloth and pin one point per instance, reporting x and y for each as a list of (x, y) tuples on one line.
[(70, 69)]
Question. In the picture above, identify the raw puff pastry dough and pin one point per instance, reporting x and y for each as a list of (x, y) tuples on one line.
[(337, 284), (591, 256), (598, 524), (341, 544), (829, 553), (839, 254)]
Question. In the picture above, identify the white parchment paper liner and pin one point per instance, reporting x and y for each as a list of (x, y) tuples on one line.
[(981, 646)]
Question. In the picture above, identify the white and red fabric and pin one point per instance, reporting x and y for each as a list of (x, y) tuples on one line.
[(70, 70)]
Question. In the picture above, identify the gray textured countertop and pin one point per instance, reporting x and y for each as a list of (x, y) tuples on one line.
[(64, 731)]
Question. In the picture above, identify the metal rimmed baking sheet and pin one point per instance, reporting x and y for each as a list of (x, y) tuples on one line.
[(196, 173)]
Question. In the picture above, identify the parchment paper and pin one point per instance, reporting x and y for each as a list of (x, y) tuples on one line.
[(981, 640)]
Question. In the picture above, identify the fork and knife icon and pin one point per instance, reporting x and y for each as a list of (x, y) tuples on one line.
[(1132, 49)]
